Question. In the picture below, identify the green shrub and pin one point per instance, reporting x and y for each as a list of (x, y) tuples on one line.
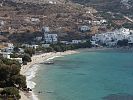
[(11, 92)]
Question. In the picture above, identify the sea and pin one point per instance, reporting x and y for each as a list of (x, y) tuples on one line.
[(95, 75)]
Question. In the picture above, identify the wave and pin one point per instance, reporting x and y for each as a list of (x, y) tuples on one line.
[(30, 74), (53, 57)]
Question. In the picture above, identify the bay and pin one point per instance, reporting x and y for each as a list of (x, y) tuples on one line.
[(98, 75)]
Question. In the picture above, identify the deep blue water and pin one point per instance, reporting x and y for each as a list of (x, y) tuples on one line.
[(98, 75)]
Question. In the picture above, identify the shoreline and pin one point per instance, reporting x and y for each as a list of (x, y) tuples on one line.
[(30, 69), (43, 57)]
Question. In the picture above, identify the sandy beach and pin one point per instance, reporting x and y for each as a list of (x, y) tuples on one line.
[(43, 57), (38, 59)]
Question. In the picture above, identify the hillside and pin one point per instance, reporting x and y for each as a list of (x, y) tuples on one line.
[(65, 19), (25, 20), (122, 6)]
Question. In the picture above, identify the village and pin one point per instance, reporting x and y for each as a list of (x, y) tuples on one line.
[(37, 31), (39, 26)]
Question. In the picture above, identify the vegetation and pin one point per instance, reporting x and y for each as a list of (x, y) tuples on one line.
[(123, 42), (10, 79), (63, 47), (10, 93), (128, 25), (30, 51), (16, 49), (26, 58), (10, 74)]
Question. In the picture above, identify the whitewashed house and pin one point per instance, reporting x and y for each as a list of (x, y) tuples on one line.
[(30, 46), (6, 55), (102, 21), (46, 29), (65, 42), (2, 23), (39, 38), (96, 22), (21, 50), (76, 41), (93, 43), (34, 46), (35, 19), (84, 28), (111, 38), (9, 48), (130, 39), (46, 45), (50, 38)]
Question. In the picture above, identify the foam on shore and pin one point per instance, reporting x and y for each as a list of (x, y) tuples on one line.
[(30, 74), (51, 58)]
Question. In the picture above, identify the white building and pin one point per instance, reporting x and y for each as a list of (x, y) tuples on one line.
[(35, 20), (84, 28), (46, 29), (30, 46), (96, 22), (6, 55), (39, 38), (46, 45), (2, 23), (111, 38), (33, 46), (103, 21), (18, 59), (9, 48), (65, 42), (21, 50), (130, 39), (76, 41), (93, 43), (50, 38)]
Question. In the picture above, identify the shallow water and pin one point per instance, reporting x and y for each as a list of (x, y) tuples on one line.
[(99, 75)]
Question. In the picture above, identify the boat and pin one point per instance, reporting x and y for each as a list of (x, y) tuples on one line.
[(48, 62)]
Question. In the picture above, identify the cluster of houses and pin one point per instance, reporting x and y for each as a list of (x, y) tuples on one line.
[(111, 38), (8, 50), (47, 38), (108, 38), (52, 38)]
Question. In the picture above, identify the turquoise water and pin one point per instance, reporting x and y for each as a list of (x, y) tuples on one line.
[(87, 76)]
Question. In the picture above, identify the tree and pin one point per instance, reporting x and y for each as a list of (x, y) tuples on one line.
[(26, 58), (19, 80), (14, 69), (16, 49), (11, 91), (10, 62), (10, 74), (57, 48), (30, 51), (4, 75), (49, 49), (123, 42)]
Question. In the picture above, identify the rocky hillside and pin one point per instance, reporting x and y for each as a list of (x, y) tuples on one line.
[(123, 6)]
